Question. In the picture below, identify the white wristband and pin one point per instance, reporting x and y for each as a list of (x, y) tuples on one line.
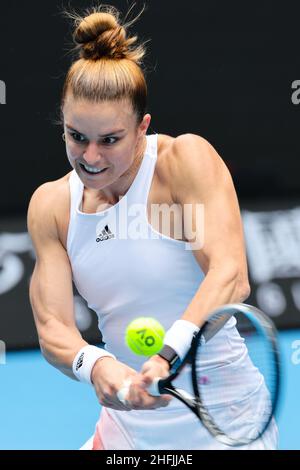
[(179, 337), (84, 362)]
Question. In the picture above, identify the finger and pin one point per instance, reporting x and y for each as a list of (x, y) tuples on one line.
[(152, 388), (161, 401), (113, 402), (146, 380), (138, 398), (139, 395), (152, 376), (166, 401), (142, 400)]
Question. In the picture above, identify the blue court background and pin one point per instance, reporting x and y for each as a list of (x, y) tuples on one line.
[(41, 408)]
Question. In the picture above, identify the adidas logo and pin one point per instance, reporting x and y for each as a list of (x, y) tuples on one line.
[(106, 234), (80, 361)]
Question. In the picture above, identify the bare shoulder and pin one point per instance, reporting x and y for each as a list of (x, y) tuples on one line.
[(189, 160), (193, 152), (47, 206)]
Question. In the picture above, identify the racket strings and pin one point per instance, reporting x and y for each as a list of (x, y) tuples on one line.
[(238, 402)]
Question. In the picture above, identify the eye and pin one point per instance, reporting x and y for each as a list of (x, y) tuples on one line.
[(77, 137), (110, 140)]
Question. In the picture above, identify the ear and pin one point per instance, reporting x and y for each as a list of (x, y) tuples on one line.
[(143, 126)]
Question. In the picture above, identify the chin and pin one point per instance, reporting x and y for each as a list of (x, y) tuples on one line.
[(95, 184)]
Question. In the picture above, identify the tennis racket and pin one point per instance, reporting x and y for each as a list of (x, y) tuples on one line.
[(249, 401)]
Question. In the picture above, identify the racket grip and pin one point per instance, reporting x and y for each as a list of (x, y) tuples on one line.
[(153, 388)]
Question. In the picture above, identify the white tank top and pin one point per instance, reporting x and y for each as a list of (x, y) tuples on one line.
[(122, 279), (145, 274)]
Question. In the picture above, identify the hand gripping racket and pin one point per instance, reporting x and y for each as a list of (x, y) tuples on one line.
[(248, 405)]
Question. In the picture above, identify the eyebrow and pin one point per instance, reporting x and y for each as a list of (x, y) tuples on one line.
[(100, 135)]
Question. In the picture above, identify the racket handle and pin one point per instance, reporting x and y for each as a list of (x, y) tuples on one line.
[(153, 390)]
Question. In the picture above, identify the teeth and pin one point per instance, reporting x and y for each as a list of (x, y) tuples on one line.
[(91, 169)]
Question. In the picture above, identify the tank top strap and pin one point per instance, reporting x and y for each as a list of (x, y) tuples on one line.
[(141, 186), (75, 185)]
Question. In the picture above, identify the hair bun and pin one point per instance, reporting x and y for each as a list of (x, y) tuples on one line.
[(100, 35)]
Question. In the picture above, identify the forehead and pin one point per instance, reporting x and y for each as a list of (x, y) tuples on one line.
[(79, 112)]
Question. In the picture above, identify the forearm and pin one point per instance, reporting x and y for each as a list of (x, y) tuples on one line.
[(60, 344), (218, 288)]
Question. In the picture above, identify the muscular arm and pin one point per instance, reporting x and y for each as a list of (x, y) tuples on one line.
[(201, 177), (51, 297), (51, 293)]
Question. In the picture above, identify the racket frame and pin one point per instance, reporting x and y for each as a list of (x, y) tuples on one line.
[(211, 327)]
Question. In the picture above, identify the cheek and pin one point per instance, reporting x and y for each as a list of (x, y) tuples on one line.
[(72, 155), (126, 155), (123, 159), (123, 162)]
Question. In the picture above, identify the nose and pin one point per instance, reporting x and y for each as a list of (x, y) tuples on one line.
[(92, 154)]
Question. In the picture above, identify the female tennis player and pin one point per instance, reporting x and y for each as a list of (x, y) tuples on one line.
[(96, 226)]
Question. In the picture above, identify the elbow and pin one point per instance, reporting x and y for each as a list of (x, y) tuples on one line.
[(245, 292), (238, 279), (234, 280), (243, 289)]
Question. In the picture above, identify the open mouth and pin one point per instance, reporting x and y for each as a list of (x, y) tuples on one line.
[(90, 172)]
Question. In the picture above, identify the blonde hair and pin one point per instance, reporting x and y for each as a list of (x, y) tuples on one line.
[(110, 63)]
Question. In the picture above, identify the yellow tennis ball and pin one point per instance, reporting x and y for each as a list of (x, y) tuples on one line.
[(145, 336)]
